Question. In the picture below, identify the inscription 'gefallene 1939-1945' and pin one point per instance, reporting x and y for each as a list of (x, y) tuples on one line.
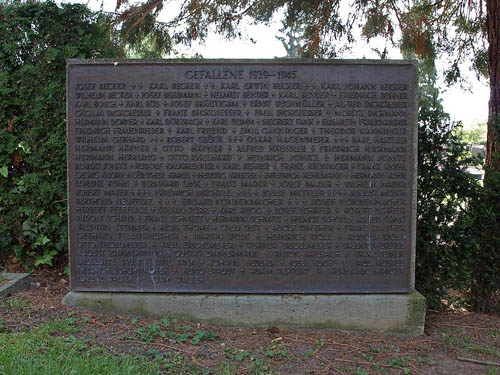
[(242, 177)]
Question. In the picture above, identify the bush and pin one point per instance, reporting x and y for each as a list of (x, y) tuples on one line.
[(458, 220), (475, 135), (481, 228), (444, 191), (35, 41)]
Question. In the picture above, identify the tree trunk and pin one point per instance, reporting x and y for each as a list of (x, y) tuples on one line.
[(493, 137)]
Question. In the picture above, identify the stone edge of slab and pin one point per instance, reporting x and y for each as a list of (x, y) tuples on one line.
[(275, 61), (387, 313), (16, 282)]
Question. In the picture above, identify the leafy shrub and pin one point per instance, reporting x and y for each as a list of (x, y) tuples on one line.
[(481, 228), (35, 41), (476, 135), (458, 221), (444, 191)]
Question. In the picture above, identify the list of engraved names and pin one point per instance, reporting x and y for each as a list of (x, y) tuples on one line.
[(241, 177)]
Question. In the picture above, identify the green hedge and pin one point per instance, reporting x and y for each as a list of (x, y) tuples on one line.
[(480, 247), (35, 41), (444, 194)]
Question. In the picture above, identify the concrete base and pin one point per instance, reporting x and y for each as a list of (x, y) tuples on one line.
[(396, 313), (15, 282)]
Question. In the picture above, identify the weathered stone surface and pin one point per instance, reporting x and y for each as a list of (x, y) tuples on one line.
[(397, 313), (242, 176), (14, 282)]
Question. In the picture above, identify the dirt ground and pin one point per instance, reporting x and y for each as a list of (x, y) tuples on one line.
[(455, 342)]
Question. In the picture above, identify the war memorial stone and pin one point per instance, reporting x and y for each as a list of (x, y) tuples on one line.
[(247, 191)]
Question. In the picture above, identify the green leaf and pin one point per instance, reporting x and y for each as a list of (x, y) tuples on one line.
[(4, 171), (26, 226), (47, 258), (41, 240)]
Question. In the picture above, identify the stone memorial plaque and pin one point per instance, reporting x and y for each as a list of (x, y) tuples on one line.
[(241, 176)]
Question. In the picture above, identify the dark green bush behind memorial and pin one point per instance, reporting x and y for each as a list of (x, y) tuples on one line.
[(481, 247), (444, 192), (35, 41), (458, 220)]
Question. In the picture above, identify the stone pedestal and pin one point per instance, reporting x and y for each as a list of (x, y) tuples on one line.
[(394, 313)]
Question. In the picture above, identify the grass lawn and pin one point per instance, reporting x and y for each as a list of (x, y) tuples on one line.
[(40, 352)]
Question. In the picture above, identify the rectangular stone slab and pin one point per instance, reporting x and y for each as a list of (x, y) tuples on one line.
[(391, 313), (242, 176), (11, 283)]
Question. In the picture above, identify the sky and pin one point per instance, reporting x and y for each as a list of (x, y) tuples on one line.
[(470, 107)]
